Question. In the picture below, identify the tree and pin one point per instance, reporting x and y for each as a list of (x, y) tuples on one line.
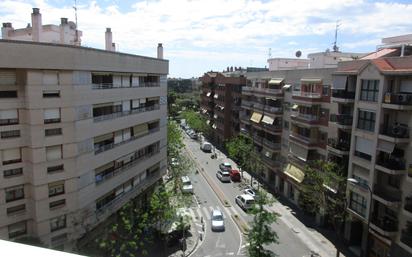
[(197, 122), (261, 233), (239, 149)]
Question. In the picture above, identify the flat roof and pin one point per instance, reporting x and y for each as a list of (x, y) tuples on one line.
[(16, 249)]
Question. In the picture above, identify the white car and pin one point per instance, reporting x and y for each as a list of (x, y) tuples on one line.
[(187, 186), (250, 191), (217, 220), (245, 201), (223, 176), (225, 166)]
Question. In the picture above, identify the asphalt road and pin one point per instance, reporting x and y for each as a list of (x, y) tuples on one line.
[(290, 245)]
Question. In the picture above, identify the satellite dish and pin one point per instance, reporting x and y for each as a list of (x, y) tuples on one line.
[(298, 53)]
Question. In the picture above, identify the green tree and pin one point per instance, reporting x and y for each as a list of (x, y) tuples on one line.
[(239, 149), (197, 122), (261, 233)]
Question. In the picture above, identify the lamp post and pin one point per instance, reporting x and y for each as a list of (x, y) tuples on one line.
[(356, 182)]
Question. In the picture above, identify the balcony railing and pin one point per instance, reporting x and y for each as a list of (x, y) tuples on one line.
[(392, 162), (270, 161), (306, 94), (258, 106), (112, 86), (247, 89), (304, 139), (113, 145), (273, 127), (273, 109), (101, 178), (305, 116), (396, 130), (339, 144), (343, 94), (342, 119), (247, 103), (408, 204), (406, 237), (387, 195), (125, 113), (399, 99), (271, 145), (385, 223), (5, 122)]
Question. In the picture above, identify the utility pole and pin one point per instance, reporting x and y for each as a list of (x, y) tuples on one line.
[(335, 46), (76, 40)]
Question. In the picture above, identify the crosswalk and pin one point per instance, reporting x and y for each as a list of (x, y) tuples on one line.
[(205, 211)]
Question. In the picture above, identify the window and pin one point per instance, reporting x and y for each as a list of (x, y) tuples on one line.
[(52, 132), (11, 156), (286, 124), (369, 90), (16, 209), (364, 148), (51, 116), (366, 120), (56, 188), (10, 134), (9, 117), (58, 223), (325, 90), (51, 93), (54, 152), (17, 229), (8, 94), (357, 203), (55, 168), (57, 204), (12, 172), (14, 193)]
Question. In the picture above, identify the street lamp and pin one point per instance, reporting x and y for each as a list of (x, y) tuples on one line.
[(356, 182)]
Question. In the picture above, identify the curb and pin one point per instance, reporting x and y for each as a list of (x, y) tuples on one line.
[(244, 228)]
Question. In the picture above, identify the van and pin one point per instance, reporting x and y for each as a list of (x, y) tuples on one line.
[(245, 201), (206, 147), (186, 185)]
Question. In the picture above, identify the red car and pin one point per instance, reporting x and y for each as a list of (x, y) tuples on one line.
[(235, 175)]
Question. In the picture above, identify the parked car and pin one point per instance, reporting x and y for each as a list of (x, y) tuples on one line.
[(217, 220), (225, 166), (235, 175), (252, 192), (245, 201), (187, 186), (223, 176), (193, 135), (206, 147)]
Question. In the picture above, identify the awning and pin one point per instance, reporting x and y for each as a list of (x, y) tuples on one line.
[(215, 96), (295, 173), (386, 146), (295, 107), (268, 120), (256, 117), (311, 80), (300, 152), (286, 86), (339, 82), (275, 81), (208, 94)]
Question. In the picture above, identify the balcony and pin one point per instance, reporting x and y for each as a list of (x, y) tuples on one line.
[(247, 104), (338, 146), (274, 109), (113, 86), (406, 237), (247, 90), (397, 101), (408, 204), (388, 197), (343, 121), (305, 117), (126, 113), (6, 122), (343, 96), (395, 133), (303, 139), (385, 225), (109, 146), (269, 161), (391, 164), (313, 95), (271, 145), (245, 118), (272, 91), (258, 106)]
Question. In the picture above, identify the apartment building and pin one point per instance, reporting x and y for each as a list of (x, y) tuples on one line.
[(220, 103), (82, 131)]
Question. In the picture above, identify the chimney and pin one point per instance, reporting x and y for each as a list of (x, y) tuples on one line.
[(109, 39), (64, 31), (36, 25), (113, 47), (63, 21), (5, 30), (160, 51)]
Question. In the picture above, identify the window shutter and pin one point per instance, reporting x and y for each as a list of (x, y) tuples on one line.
[(118, 137), (8, 78), (8, 114), (50, 78), (51, 114), (143, 100), (126, 134), (298, 151), (140, 129), (135, 81), (135, 103), (11, 154), (364, 145), (54, 152), (126, 105), (406, 86)]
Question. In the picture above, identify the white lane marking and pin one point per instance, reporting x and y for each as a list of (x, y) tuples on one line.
[(206, 212), (199, 213), (230, 253), (228, 214), (192, 213)]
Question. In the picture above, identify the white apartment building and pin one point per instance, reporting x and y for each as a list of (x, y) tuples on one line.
[(82, 131)]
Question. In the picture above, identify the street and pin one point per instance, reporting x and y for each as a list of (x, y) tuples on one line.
[(231, 242)]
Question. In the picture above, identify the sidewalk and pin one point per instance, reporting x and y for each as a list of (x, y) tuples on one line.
[(319, 240)]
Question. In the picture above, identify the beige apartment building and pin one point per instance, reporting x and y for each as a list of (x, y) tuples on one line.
[(82, 131)]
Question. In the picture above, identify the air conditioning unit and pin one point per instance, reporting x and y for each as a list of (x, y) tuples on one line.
[(400, 130), (403, 98)]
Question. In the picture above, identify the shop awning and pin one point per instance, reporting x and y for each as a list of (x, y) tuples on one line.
[(208, 94), (339, 82), (386, 146), (295, 173), (275, 81), (311, 80), (286, 86), (256, 117), (268, 120), (299, 151)]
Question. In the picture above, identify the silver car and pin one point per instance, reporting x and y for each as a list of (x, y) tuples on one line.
[(218, 222), (223, 176)]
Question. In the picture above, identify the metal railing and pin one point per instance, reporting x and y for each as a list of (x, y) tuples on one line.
[(113, 145), (271, 145), (408, 204), (406, 237), (273, 109), (389, 195), (396, 130), (125, 113), (113, 86), (339, 144), (400, 99), (305, 139), (247, 103), (5, 122), (306, 94), (305, 116), (392, 162), (385, 223), (342, 119), (343, 94)]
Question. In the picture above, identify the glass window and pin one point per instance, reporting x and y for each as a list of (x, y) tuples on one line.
[(14, 193), (17, 229), (357, 203), (369, 90), (286, 124), (325, 90), (58, 223), (56, 188), (366, 120)]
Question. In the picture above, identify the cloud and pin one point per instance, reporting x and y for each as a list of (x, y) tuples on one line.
[(191, 28)]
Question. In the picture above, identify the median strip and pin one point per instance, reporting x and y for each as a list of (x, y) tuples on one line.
[(244, 228)]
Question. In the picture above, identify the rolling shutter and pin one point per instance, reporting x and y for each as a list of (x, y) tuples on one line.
[(11, 154), (8, 78), (53, 152), (364, 145), (339, 82), (50, 78), (118, 137), (51, 114), (140, 129), (298, 151), (126, 134), (8, 114), (126, 106), (406, 86), (103, 137), (135, 103)]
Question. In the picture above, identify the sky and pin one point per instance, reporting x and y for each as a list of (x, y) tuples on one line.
[(203, 35)]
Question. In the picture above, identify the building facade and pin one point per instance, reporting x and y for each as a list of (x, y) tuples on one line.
[(220, 103), (82, 131)]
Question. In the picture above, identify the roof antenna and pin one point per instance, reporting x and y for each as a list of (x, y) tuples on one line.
[(76, 40), (335, 47), (270, 53)]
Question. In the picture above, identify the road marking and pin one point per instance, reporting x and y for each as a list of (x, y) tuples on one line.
[(230, 253), (199, 213), (192, 213), (206, 212)]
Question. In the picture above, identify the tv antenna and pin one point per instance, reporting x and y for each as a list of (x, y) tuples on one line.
[(76, 40), (335, 46), (270, 53)]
